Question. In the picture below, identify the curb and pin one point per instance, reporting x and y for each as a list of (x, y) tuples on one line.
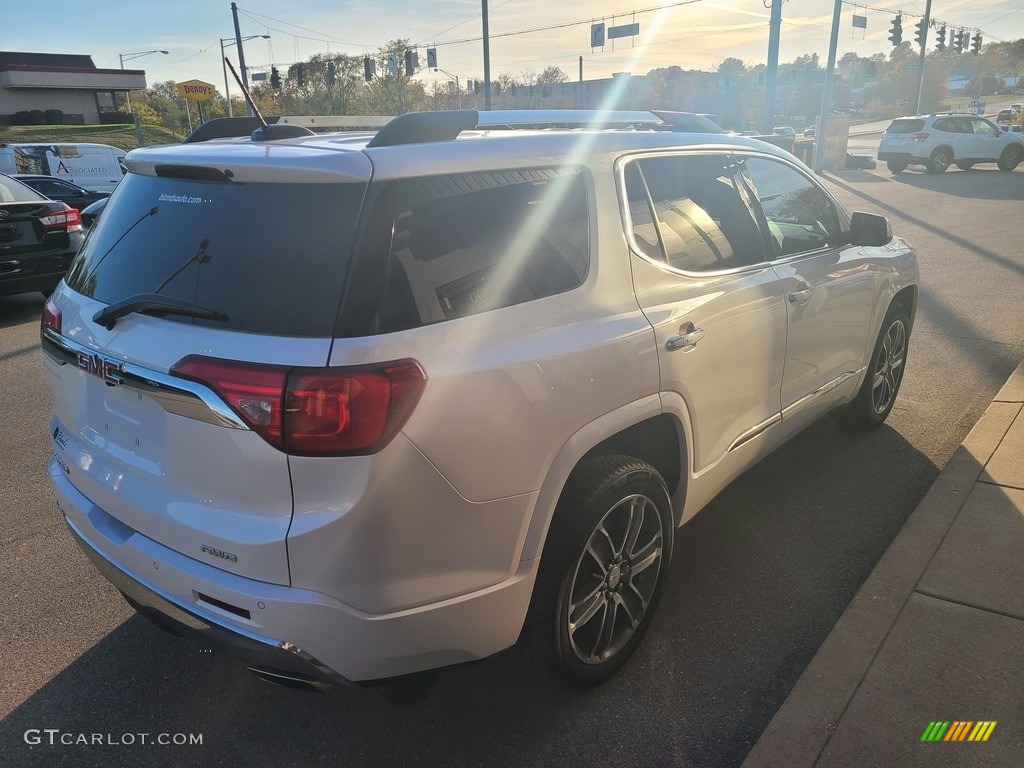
[(801, 729)]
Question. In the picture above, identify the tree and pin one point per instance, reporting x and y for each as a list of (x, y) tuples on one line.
[(732, 67), (552, 76), (394, 93)]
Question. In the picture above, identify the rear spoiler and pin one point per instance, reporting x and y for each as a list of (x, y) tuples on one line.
[(226, 128)]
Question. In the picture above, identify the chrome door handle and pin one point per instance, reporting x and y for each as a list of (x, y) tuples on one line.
[(800, 297), (686, 340)]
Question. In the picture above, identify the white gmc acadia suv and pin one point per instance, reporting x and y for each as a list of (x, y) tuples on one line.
[(355, 406)]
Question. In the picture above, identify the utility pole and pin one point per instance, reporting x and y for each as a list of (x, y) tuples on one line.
[(241, 55), (774, 30), (579, 92), (487, 60), (826, 96), (920, 60)]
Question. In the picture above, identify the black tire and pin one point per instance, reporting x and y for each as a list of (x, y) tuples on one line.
[(896, 166), (614, 516), (1011, 158), (940, 160), (964, 165), (877, 394)]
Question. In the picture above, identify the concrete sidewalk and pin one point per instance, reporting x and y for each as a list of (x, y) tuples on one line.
[(936, 633)]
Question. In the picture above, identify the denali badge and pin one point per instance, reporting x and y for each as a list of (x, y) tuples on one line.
[(108, 370), (219, 553)]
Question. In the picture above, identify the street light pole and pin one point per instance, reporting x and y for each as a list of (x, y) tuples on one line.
[(458, 88), (130, 56), (224, 66)]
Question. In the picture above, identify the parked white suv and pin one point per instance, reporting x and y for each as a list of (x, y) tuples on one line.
[(352, 407), (938, 141)]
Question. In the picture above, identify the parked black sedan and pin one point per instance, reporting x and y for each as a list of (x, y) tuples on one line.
[(58, 189), (38, 238)]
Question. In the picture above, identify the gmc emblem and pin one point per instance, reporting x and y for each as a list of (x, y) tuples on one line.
[(108, 370), (219, 553)]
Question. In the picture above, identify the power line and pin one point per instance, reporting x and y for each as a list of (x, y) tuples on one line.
[(567, 24), (455, 26), (250, 14)]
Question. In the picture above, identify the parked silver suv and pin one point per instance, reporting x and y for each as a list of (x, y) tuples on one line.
[(939, 141), (352, 407)]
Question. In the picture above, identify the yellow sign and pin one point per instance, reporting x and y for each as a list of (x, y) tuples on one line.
[(196, 90)]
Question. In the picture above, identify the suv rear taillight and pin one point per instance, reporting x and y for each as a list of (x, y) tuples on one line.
[(347, 411), (67, 218), (919, 137), (51, 317)]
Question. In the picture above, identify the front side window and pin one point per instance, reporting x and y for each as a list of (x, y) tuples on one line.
[(687, 211), (469, 243), (800, 216), (984, 128)]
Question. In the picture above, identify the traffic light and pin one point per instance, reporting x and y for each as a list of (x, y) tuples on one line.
[(940, 43), (300, 75), (411, 60), (956, 42), (976, 43), (871, 72), (275, 79), (369, 68), (332, 72), (896, 33), (921, 36)]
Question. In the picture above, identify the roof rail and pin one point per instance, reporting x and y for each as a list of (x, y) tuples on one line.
[(419, 127)]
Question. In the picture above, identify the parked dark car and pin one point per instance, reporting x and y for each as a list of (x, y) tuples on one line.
[(38, 238), (92, 212), (63, 191)]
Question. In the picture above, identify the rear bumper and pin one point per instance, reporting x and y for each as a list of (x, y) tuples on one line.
[(284, 629), (27, 275), (900, 157), (263, 653)]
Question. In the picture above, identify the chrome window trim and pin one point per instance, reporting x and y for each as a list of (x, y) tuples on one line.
[(178, 396)]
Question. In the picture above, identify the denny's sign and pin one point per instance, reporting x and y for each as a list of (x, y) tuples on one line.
[(196, 90)]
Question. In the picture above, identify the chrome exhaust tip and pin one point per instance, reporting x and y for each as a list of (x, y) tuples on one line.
[(294, 680)]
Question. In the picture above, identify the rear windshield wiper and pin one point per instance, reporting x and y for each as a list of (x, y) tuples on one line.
[(153, 304)]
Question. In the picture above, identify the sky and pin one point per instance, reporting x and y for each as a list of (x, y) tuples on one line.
[(694, 34)]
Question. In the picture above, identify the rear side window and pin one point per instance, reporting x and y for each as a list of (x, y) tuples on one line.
[(272, 257), (470, 243), (900, 127)]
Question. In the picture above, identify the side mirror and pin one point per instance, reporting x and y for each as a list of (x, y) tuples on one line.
[(869, 229)]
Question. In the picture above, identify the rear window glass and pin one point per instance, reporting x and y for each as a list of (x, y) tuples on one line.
[(272, 257), (905, 126), (12, 191), (470, 243)]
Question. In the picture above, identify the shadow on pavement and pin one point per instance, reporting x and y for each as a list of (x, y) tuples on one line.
[(15, 310)]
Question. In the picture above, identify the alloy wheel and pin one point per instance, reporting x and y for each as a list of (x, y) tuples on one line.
[(889, 367), (615, 579)]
